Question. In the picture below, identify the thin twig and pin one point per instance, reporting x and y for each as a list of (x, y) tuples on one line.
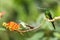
[(54, 19), (32, 29)]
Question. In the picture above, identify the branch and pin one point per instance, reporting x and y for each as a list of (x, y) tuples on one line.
[(54, 19), (35, 28)]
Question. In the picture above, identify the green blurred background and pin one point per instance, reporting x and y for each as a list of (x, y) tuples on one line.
[(30, 12)]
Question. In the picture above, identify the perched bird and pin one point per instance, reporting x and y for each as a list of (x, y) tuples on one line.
[(49, 16)]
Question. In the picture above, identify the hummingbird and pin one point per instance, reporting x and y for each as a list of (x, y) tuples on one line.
[(49, 16)]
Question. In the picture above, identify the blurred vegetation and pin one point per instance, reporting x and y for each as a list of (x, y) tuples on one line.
[(30, 12)]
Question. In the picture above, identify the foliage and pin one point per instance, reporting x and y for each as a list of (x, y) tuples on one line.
[(30, 11)]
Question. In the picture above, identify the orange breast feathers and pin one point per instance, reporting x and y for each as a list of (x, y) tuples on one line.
[(13, 26)]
